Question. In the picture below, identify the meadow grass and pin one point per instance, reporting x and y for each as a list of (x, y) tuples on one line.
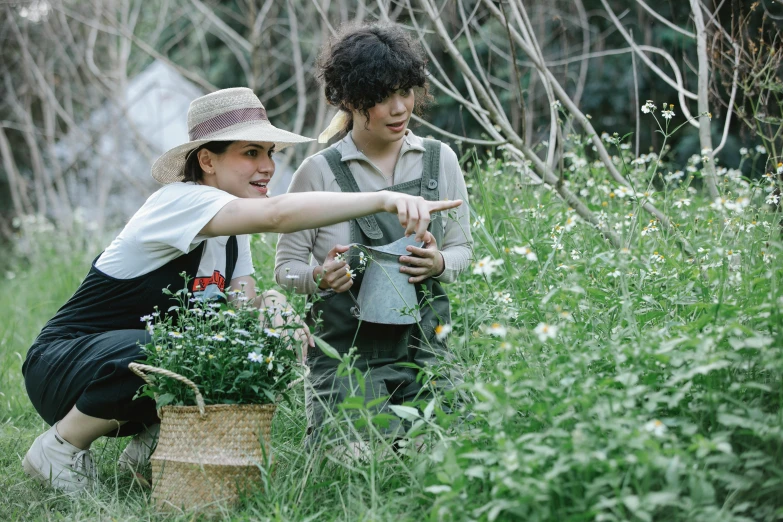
[(602, 384)]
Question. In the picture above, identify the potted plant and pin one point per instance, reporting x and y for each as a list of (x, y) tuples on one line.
[(216, 372)]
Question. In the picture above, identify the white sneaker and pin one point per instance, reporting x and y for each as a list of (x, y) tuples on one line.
[(137, 454), (54, 461)]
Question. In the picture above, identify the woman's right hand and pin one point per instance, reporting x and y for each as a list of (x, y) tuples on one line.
[(334, 274), (414, 211)]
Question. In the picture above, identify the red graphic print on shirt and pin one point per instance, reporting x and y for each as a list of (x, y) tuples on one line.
[(201, 283)]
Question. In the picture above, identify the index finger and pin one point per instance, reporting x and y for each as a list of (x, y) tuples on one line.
[(436, 206)]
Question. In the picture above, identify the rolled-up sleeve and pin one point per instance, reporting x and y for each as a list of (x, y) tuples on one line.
[(457, 247), (293, 266)]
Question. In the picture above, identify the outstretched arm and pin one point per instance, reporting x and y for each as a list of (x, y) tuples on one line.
[(293, 212)]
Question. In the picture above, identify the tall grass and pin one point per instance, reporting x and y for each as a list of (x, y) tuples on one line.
[(640, 384)]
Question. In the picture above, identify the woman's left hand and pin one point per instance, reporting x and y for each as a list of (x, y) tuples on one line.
[(424, 262)]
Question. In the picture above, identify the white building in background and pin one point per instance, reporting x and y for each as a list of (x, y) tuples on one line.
[(107, 163)]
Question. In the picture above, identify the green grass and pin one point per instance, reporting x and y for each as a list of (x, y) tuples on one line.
[(658, 397)]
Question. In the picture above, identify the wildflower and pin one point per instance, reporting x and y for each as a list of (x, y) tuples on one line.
[(525, 251), (496, 330), (252, 357), (175, 335), (271, 332), (487, 266), (738, 205), (442, 331), (362, 259), (545, 331), (656, 258), (649, 229), (718, 203), (682, 202), (556, 104), (351, 273), (674, 176), (570, 224), (623, 191), (270, 361), (648, 107), (743, 151), (503, 297), (667, 114), (615, 274), (656, 427), (780, 168), (218, 337), (229, 313), (479, 222), (146, 318), (760, 149), (575, 254), (158, 348), (772, 199), (242, 332), (210, 356), (339, 258)]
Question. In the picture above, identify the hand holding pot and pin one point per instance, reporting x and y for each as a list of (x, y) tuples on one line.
[(423, 262)]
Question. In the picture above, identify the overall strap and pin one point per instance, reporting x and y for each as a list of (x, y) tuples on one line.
[(347, 183), (430, 170), (232, 254), (429, 190)]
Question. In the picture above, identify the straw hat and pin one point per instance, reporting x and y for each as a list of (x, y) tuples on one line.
[(225, 115)]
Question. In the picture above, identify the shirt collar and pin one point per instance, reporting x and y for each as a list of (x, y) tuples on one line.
[(350, 151)]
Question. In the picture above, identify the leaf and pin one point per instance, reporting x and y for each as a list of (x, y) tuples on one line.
[(429, 409), (631, 502), (405, 412), (165, 399), (439, 488), (352, 403), (383, 420), (326, 348)]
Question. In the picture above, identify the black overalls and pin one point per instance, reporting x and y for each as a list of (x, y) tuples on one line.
[(379, 346), (81, 356)]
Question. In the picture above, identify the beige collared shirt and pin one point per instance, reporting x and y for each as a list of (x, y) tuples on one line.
[(299, 253)]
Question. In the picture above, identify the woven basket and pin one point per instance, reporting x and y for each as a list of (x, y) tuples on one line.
[(207, 455)]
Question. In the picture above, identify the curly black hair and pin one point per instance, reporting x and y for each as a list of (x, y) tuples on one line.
[(364, 64)]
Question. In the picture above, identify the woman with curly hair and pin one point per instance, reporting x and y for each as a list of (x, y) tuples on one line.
[(376, 76)]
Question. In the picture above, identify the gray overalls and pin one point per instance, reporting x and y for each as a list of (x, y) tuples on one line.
[(380, 347)]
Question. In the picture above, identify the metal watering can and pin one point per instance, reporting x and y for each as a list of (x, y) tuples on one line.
[(386, 296)]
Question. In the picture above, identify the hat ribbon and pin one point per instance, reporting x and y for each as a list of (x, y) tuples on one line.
[(227, 119)]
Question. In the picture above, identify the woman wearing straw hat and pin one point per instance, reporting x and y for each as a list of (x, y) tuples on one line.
[(375, 75), (76, 372)]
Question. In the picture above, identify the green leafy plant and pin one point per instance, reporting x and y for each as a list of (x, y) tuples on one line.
[(233, 353)]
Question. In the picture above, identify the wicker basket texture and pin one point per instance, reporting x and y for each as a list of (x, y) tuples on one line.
[(207, 455)]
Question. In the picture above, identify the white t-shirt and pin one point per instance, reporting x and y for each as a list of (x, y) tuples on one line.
[(166, 227)]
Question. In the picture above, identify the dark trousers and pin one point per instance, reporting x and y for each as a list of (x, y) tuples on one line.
[(90, 372)]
